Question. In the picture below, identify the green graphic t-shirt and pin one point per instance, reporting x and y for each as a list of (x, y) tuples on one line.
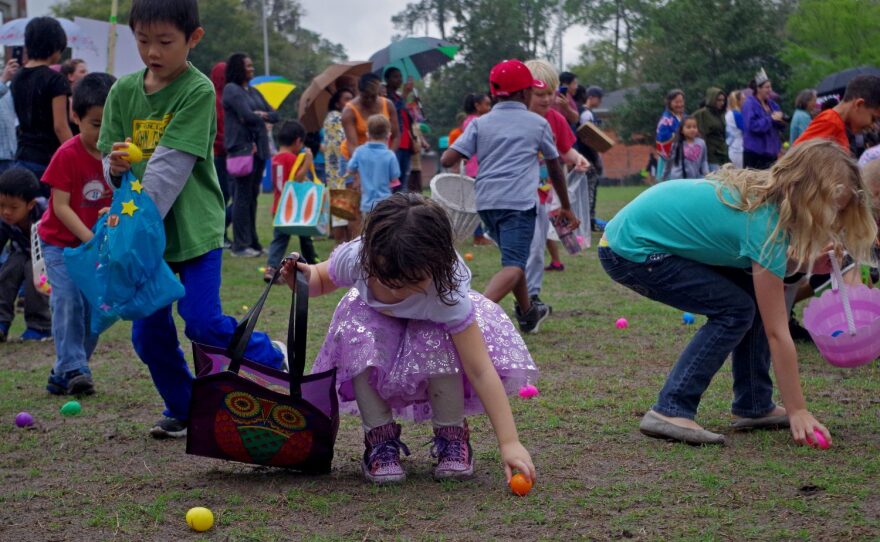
[(180, 116)]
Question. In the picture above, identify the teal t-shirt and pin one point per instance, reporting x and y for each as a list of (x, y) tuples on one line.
[(181, 116), (685, 218)]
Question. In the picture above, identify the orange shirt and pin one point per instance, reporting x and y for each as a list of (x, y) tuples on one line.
[(827, 125), (454, 134)]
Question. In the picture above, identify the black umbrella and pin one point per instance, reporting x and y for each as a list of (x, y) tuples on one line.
[(836, 82)]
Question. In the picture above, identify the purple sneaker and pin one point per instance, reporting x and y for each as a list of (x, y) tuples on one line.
[(381, 464), (455, 457)]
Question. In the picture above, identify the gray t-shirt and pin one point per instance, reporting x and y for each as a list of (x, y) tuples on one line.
[(346, 271), (506, 142)]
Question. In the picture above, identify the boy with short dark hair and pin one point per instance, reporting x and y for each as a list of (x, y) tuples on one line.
[(291, 142), (377, 167), (20, 208), (79, 192), (506, 142), (858, 110), (168, 110), (40, 97)]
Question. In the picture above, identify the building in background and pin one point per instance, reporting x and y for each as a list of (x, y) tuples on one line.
[(13, 9)]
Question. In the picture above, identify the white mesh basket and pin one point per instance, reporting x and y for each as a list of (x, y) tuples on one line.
[(455, 193)]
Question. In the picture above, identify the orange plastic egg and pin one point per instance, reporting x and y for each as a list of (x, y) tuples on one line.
[(520, 485)]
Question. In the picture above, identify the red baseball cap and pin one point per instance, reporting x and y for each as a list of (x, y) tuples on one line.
[(510, 76)]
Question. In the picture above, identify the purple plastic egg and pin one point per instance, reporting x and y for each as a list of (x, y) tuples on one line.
[(24, 419)]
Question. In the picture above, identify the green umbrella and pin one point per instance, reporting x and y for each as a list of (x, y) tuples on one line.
[(414, 57)]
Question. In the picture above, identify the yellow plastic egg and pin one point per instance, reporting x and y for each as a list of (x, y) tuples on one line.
[(199, 518)]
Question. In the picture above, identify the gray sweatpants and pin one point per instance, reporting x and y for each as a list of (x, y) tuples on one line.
[(18, 269)]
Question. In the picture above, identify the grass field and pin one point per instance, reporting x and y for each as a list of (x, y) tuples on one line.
[(99, 476)]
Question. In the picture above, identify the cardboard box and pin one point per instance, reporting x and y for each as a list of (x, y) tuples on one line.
[(592, 135)]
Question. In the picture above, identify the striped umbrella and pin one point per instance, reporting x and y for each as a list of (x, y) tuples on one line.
[(414, 57), (274, 88)]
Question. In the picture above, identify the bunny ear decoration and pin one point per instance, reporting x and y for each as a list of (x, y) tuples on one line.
[(761, 77)]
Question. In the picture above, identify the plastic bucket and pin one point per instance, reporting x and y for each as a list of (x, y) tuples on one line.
[(844, 322), (455, 193)]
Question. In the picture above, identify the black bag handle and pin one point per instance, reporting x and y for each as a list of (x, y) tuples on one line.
[(296, 330)]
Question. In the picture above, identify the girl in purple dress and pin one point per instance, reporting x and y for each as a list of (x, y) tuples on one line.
[(410, 337)]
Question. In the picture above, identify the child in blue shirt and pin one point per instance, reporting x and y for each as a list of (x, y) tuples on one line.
[(376, 165)]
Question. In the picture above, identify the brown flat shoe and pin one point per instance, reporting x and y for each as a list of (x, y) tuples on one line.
[(654, 426), (764, 422)]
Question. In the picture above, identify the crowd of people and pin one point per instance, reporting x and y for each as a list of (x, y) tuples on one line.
[(410, 338)]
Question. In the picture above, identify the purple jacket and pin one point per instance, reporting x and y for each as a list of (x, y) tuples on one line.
[(760, 131)]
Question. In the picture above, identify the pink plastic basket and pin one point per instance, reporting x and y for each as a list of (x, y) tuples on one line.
[(845, 322)]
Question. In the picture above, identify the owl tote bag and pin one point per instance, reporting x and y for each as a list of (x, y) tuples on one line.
[(244, 411), (304, 207)]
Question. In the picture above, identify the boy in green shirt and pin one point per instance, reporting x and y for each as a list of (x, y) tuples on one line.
[(168, 111)]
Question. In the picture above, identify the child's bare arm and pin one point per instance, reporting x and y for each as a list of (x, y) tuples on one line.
[(59, 119), (771, 305), (484, 378), (318, 275), (451, 157), (557, 177), (67, 216), (304, 168)]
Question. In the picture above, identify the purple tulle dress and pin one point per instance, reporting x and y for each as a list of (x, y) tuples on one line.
[(409, 342)]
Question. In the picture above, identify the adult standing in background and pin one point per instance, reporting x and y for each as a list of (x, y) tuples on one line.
[(40, 97), (218, 78), (8, 143), (733, 121), (667, 127), (762, 120), (594, 96), (245, 114), (565, 104), (804, 105), (74, 70), (710, 122), (367, 103), (334, 135), (398, 92)]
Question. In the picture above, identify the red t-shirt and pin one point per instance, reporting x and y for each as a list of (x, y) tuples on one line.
[(827, 125), (75, 171), (562, 134), (281, 166), (564, 139)]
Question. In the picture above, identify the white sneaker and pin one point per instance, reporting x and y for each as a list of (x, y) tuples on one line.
[(281, 347)]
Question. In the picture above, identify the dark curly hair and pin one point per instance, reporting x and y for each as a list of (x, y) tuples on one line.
[(407, 238)]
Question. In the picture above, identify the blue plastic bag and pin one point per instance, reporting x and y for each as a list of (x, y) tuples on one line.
[(122, 271)]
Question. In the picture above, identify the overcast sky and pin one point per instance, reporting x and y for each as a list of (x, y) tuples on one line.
[(361, 26)]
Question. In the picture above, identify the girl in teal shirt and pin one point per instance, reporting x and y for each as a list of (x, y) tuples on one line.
[(722, 247)]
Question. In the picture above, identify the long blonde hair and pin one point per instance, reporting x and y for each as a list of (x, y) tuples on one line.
[(805, 185)]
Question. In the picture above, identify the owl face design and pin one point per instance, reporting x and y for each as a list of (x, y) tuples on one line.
[(255, 430)]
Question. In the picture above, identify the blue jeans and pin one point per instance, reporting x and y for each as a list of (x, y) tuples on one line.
[(404, 157), (74, 341), (155, 337), (726, 296), (513, 231), (278, 249)]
